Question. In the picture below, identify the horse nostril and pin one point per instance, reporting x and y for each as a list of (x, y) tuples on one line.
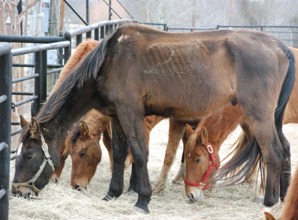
[(77, 187), (192, 197)]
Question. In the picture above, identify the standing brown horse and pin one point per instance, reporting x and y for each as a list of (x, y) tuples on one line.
[(139, 71), (82, 142)]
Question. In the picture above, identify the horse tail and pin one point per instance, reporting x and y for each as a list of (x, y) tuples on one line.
[(246, 157), (286, 89)]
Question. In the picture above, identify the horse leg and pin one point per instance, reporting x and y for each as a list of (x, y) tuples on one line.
[(271, 149), (133, 126), (120, 148), (149, 122), (107, 140), (181, 172), (133, 182), (176, 130), (285, 174)]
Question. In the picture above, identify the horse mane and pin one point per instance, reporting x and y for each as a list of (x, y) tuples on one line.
[(80, 52), (87, 69)]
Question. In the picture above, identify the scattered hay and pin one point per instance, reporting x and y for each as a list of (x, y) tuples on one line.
[(60, 202)]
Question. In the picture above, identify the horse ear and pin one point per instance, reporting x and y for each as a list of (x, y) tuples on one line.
[(188, 129), (269, 216), (84, 130), (204, 135), (34, 128), (23, 121)]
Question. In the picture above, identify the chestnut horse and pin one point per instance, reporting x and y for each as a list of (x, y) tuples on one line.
[(211, 133), (138, 71)]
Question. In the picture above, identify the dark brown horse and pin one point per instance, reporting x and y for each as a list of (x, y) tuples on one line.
[(139, 71)]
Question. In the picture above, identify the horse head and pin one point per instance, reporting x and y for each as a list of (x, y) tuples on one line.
[(201, 163), (35, 162), (85, 152)]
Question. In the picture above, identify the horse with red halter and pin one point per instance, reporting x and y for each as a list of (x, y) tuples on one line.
[(138, 71), (202, 148)]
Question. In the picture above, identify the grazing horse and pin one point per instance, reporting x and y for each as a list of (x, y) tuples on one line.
[(82, 144), (202, 148), (138, 71), (86, 157), (82, 141)]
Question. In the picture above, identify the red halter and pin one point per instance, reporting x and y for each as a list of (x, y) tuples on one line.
[(203, 185)]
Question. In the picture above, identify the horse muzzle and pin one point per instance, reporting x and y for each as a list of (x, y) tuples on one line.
[(194, 194), (24, 191)]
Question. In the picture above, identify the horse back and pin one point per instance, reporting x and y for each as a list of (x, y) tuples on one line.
[(211, 67)]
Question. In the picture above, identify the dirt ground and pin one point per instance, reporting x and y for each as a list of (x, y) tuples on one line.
[(59, 201)]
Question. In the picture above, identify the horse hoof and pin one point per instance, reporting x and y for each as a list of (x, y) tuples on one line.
[(141, 209), (107, 198), (159, 189)]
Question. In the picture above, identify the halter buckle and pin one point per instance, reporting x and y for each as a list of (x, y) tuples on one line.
[(210, 148)]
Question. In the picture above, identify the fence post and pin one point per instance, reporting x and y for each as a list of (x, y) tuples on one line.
[(43, 77), (38, 66), (5, 127), (67, 50)]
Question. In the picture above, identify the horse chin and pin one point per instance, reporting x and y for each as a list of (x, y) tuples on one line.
[(195, 194), (24, 191)]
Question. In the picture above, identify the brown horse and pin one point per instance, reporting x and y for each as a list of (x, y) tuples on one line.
[(216, 129), (86, 156), (202, 149), (138, 71), (82, 144), (82, 141)]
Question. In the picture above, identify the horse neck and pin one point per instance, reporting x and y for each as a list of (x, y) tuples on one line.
[(221, 124), (55, 128)]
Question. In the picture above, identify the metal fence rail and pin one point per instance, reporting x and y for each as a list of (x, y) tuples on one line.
[(5, 114)]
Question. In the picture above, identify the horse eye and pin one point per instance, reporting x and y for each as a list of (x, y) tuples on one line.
[(28, 156), (83, 153), (198, 160)]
